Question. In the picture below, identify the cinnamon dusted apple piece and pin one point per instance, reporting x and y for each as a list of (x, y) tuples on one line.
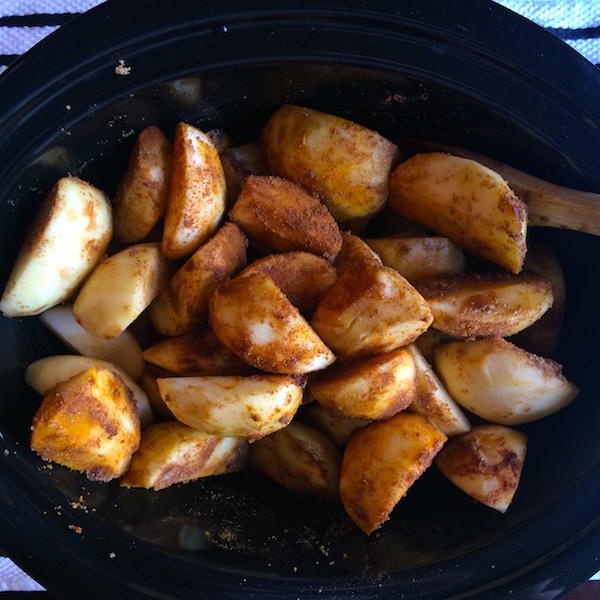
[(141, 198), (482, 305), (196, 353), (376, 388), (420, 257), (255, 320), (485, 463), (197, 195), (370, 309), (120, 288), (171, 452), (346, 164), (381, 462), (249, 407), (502, 383), (300, 458), (182, 304), (280, 216), (302, 276), (88, 423), (465, 201)]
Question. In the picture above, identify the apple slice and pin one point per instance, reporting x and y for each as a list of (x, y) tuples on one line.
[(381, 461), (67, 238), (46, 373), (232, 406), (120, 288), (485, 463), (502, 383), (124, 350), (172, 452), (465, 201)]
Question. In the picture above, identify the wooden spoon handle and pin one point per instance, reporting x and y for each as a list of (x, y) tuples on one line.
[(549, 205)]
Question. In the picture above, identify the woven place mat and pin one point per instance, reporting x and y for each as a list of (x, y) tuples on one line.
[(23, 23)]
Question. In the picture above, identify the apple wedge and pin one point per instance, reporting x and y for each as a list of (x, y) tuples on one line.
[(485, 463), (196, 353), (420, 257), (182, 305), (431, 399), (493, 304), (280, 216), (46, 373), (255, 320), (65, 241), (381, 461), (376, 388), (232, 406), (197, 196), (302, 276), (337, 428), (502, 383), (300, 458), (141, 198), (120, 288), (465, 201), (369, 310), (172, 452), (89, 424), (346, 164), (124, 350)]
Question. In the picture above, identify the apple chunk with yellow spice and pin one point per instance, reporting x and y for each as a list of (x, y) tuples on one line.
[(65, 241), (120, 288), (141, 198), (182, 305), (381, 462), (370, 310), (278, 215), (485, 463), (171, 452), (465, 201), (501, 382), (89, 423), (255, 320), (248, 407), (483, 305), (347, 164), (197, 196), (376, 388), (302, 276), (300, 458)]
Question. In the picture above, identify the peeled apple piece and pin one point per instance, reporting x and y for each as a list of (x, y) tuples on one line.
[(123, 350), (465, 201), (485, 463), (483, 305), (433, 401), (171, 452), (255, 320), (501, 382), (120, 288), (373, 389), (300, 458), (197, 193), (46, 373), (346, 164), (381, 462), (233, 406), (67, 238)]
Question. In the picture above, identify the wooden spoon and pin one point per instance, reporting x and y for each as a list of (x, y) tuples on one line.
[(549, 205)]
